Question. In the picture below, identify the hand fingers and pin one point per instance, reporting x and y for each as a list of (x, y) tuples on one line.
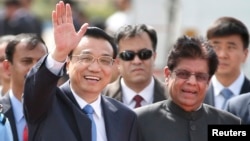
[(83, 29), (54, 18), (62, 14), (69, 18)]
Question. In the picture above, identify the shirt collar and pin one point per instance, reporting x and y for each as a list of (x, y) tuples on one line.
[(16, 104), (96, 104), (146, 93), (234, 87)]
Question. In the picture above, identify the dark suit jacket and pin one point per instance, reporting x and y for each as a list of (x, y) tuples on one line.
[(166, 121), (53, 114), (8, 111), (240, 106), (209, 99), (114, 90)]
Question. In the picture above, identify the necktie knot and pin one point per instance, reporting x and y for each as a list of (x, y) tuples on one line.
[(88, 109), (226, 93), (138, 100)]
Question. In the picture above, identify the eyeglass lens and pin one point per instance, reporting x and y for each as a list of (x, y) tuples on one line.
[(183, 74), (103, 60), (143, 54)]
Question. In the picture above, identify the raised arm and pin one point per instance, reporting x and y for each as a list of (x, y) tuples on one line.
[(66, 38)]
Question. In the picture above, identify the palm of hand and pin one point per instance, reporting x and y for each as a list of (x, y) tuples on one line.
[(66, 37)]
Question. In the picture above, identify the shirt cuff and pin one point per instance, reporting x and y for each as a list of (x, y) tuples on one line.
[(54, 66)]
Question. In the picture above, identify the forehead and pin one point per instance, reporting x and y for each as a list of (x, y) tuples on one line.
[(201, 65), (136, 42), (93, 45), (230, 39), (23, 49)]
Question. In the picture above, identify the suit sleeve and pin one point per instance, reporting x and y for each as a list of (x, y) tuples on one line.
[(39, 91)]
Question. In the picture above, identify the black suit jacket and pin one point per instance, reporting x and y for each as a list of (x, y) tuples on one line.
[(114, 90), (209, 99), (53, 114), (166, 121), (240, 106)]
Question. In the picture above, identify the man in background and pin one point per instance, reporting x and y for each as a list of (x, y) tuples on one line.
[(136, 86), (21, 54), (4, 75), (230, 40)]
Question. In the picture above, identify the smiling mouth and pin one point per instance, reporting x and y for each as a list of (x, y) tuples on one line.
[(92, 78)]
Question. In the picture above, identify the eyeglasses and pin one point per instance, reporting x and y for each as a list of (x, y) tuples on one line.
[(183, 74), (89, 59), (2, 58), (143, 54)]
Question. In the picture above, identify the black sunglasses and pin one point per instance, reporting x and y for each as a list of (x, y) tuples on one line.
[(143, 54)]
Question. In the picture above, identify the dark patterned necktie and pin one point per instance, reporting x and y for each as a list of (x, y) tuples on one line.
[(137, 100)]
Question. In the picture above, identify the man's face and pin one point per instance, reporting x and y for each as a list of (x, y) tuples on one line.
[(231, 54), (23, 61), (88, 78), (188, 91), (136, 71)]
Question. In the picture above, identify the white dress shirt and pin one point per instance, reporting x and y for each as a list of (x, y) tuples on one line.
[(17, 107), (128, 94), (235, 87)]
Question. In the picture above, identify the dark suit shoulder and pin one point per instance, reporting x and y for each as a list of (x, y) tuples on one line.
[(241, 99), (220, 116), (150, 109), (117, 104)]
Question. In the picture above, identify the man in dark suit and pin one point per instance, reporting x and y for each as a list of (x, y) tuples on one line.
[(21, 54), (230, 40), (137, 53), (240, 106), (184, 116), (55, 113)]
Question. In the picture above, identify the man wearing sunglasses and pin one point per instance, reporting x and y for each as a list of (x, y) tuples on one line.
[(183, 116), (136, 85)]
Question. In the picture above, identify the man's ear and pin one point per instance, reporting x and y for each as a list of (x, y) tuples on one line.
[(6, 67), (167, 72)]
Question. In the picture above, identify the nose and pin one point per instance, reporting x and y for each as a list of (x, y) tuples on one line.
[(136, 59), (192, 79), (221, 52), (94, 66)]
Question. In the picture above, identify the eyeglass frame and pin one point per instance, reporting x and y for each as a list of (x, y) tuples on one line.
[(94, 59), (189, 74), (134, 54)]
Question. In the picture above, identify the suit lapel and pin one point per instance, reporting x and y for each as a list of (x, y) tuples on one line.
[(83, 124), (160, 91), (110, 119), (246, 86), (115, 90), (209, 98)]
